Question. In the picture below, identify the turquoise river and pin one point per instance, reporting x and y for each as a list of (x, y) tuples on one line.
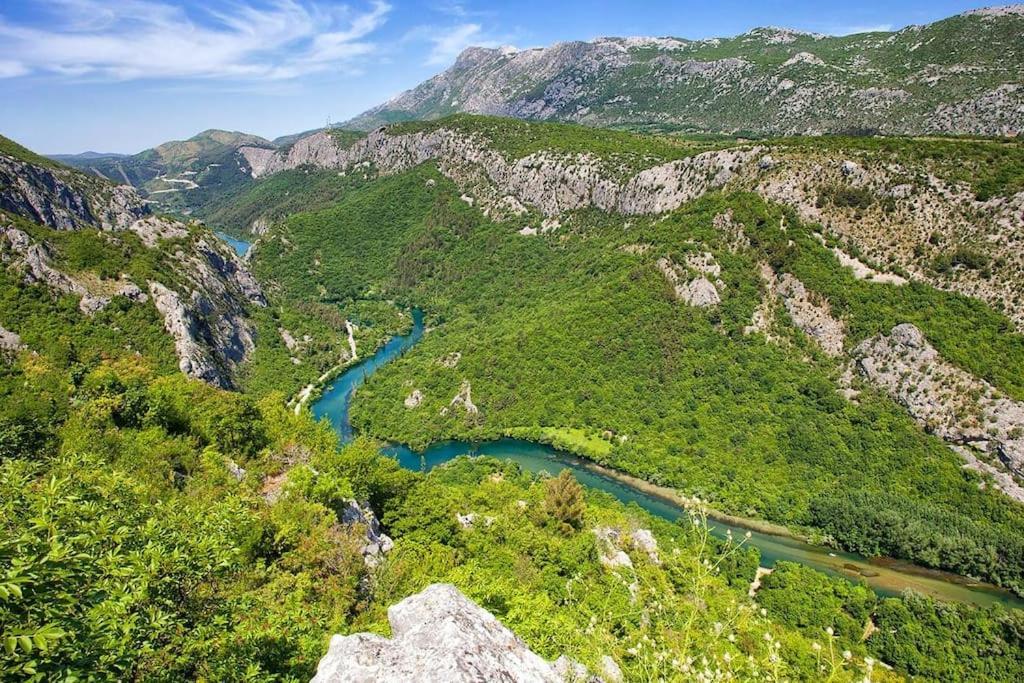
[(886, 576)]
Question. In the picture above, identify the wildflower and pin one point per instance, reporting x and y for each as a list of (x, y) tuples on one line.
[(847, 655), (764, 612), (830, 631), (816, 646)]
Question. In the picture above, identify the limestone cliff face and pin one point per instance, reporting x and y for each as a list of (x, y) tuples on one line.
[(906, 206), (65, 199), (947, 401), (212, 331), (204, 292), (552, 183), (438, 635), (195, 358)]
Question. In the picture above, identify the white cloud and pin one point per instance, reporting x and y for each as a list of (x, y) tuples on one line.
[(452, 8), (447, 42), (11, 69), (134, 39)]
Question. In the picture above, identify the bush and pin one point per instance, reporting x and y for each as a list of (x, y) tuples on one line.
[(563, 500)]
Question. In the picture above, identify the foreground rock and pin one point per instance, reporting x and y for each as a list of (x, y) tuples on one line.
[(438, 635)]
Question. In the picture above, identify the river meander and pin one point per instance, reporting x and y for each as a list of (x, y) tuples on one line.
[(886, 576)]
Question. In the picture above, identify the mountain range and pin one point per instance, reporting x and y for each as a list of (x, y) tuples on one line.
[(961, 75), (958, 76)]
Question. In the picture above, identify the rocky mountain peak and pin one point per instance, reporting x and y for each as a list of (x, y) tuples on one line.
[(996, 11)]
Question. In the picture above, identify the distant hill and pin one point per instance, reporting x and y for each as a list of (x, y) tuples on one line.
[(961, 75), (181, 175), (85, 156)]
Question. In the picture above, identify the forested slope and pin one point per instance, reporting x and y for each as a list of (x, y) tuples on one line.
[(585, 323)]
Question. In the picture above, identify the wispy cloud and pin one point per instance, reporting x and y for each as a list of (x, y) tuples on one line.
[(447, 45), (446, 42), (134, 39)]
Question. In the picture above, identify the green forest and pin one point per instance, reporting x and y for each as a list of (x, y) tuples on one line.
[(155, 528), (578, 333), (166, 531)]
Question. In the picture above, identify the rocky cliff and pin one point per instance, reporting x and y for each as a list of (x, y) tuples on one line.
[(64, 199), (440, 635), (901, 212), (548, 181), (947, 401), (201, 289), (959, 75)]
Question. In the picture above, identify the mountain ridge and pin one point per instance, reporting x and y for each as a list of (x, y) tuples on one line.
[(957, 75)]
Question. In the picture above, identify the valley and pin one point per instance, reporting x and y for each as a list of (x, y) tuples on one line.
[(621, 359), (773, 544)]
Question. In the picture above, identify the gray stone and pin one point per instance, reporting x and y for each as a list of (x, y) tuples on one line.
[(947, 401), (438, 636)]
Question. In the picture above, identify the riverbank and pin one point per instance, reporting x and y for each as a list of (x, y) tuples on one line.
[(877, 565), (774, 542)]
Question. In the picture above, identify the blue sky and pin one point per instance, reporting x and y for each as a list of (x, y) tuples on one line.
[(124, 75)]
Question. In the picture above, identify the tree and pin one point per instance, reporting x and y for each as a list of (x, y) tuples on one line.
[(563, 500)]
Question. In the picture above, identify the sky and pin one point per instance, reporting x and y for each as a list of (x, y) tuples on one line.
[(126, 75)]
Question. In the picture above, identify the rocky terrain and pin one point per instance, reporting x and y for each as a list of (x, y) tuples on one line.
[(945, 400), (889, 218), (904, 215), (61, 198), (440, 635), (203, 291), (961, 75)]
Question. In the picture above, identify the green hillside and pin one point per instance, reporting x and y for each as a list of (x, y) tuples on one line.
[(578, 331)]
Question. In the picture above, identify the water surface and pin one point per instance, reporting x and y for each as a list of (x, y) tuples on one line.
[(241, 247), (885, 576)]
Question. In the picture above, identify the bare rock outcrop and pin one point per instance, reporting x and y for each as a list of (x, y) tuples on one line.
[(194, 357), (438, 635), (414, 399), (696, 291), (944, 399), (377, 542), (810, 312), (10, 341), (463, 399)]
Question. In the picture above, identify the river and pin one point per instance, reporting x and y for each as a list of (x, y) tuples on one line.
[(885, 576), (241, 247)]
